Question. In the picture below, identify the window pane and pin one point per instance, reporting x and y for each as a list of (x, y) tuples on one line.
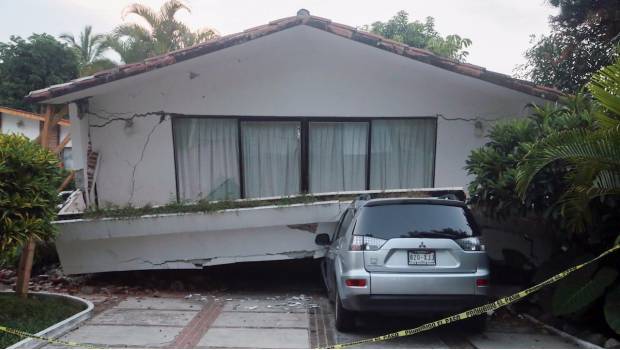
[(207, 152), (271, 158), (404, 220), (402, 154), (338, 156)]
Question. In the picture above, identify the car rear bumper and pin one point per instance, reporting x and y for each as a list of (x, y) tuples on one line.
[(405, 304)]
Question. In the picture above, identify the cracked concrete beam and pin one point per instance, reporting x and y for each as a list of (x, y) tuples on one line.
[(311, 227)]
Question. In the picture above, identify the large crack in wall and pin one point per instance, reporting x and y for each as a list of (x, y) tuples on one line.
[(111, 117)]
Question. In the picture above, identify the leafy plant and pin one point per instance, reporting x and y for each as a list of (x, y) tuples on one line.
[(581, 289), (494, 166), (583, 39), (161, 34), (422, 35), (36, 63), (590, 202), (592, 155), (29, 178), (89, 48), (612, 309)]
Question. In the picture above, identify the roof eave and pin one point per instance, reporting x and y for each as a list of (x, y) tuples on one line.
[(150, 64)]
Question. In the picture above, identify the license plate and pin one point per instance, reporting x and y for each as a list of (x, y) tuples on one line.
[(422, 257)]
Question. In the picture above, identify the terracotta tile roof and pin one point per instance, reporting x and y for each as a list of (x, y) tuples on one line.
[(324, 24)]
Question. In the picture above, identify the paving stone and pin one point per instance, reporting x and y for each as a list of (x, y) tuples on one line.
[(418, 341), (262, 320), (148, 317), (265, 306), (501, 340), (116, 336), (160, 304), (255, 338)]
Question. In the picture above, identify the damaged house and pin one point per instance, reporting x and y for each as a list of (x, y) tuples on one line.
[(301, 105)]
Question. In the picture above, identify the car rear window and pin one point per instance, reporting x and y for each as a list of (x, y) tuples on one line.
[(415, 220)]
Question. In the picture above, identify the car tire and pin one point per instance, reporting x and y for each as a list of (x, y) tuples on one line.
[(345, 319), (476, 324)]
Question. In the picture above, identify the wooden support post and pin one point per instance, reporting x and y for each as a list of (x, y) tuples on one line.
[(62, 144), (46, 127), (66, 182), (25, 269), (27, 256)]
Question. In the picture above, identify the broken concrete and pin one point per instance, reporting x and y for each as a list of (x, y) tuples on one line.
[(193, 240)]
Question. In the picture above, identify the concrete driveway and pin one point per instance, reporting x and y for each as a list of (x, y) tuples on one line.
[(273, 320), (268, 305)]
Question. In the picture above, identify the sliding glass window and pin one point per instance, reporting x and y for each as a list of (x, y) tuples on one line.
[(230, 158), (271, 158), (402, 153), (207, 158), (337, 156)]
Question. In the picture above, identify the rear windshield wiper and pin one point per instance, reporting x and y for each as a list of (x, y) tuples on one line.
[(422, 234)]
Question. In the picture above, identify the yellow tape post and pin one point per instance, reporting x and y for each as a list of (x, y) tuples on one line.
[(49, 340), (478, 310)]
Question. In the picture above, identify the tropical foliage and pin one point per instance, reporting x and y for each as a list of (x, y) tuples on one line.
[(161, 33), (591, 156), (89, 48), (566, 169), (29, 179), (421, 35), (32, 64), (494, 166)]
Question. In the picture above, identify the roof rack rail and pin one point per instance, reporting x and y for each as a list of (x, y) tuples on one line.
[(449, 196), (360, 200)]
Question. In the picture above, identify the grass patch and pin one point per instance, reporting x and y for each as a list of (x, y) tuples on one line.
[(205, 206), (32, 314)]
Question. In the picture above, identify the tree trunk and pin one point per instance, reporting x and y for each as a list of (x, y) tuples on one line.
[(25, 269)]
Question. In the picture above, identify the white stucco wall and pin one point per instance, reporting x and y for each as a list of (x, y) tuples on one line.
[(297, 72), (10, 125)]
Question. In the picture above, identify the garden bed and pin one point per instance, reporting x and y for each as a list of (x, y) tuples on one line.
[(38, 312)]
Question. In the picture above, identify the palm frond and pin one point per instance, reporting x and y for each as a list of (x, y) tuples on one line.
[(169, 9), (133, 31), (605, 88), (68, 38), (574, 147), (147, 13)]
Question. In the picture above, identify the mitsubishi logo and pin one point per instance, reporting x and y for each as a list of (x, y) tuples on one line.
[(422, 245)]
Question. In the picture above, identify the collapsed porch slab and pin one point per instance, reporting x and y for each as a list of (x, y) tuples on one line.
[(195, 240)]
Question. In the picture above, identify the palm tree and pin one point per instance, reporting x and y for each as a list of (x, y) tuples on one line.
[(592, 155), (162, 32), (89, 48)]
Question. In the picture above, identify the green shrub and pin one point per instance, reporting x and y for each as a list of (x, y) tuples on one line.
[(494, 166), (29, 179)]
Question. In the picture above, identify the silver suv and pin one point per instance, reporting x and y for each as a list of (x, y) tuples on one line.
[(416, 256)]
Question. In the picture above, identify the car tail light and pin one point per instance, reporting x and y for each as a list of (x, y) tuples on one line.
[(470, 244), (360, 243), (355, 282), (482, 282)]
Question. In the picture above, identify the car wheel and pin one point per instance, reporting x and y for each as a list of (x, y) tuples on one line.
[(345, 319), (476, 324)]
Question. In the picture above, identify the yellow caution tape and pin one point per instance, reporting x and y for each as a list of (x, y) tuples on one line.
[(475, 311), (49, 340)]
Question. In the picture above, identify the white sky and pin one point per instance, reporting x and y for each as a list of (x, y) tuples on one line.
[(500, 29)]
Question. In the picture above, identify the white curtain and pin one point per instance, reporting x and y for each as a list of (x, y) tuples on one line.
[(271, 158), (402, 153), (337, 156), (207, 153)]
